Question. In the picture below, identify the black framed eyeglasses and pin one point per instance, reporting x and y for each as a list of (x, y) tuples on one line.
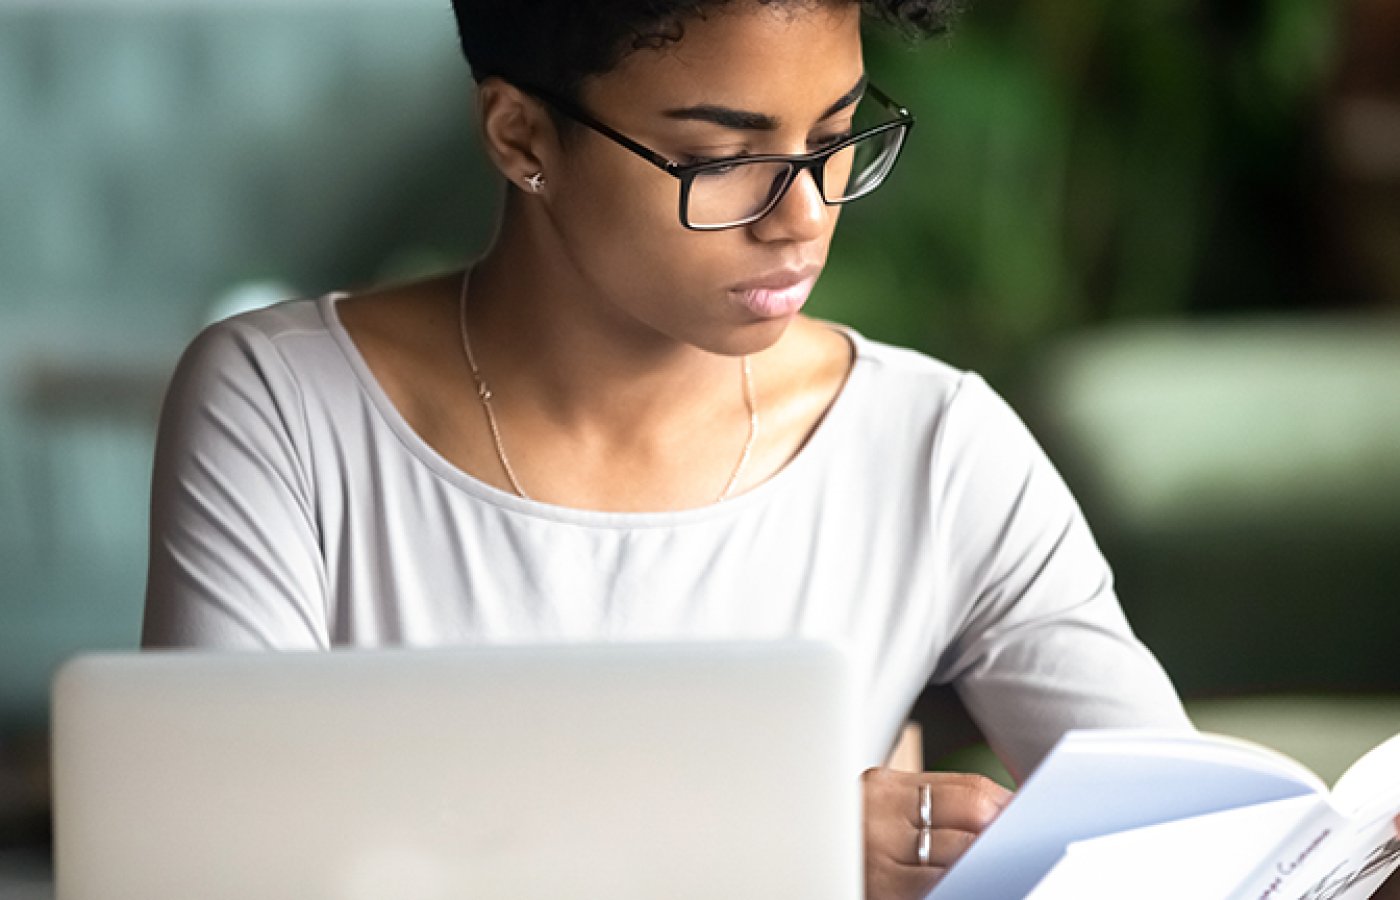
[(740, 190)]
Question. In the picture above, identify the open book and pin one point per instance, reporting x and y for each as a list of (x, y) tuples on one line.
[(1148, 814)]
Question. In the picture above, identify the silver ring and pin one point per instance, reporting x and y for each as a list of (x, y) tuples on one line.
[(925, 846)]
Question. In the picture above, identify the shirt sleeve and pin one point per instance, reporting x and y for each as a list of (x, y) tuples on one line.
[(1044, 646), (235, 558)]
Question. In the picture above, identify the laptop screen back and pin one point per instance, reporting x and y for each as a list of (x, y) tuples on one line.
[(613, 771)]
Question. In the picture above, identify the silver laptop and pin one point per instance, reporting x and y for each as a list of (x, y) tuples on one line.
[(601, 771)]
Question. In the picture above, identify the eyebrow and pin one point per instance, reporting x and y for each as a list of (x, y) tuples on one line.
[(743, 120)]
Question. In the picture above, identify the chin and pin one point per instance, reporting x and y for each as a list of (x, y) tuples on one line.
[(753, 337)]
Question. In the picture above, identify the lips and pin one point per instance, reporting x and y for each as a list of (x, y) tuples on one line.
[(776, 294)]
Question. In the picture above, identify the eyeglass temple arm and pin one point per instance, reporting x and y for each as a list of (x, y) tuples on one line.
[(890, 104), (578, 114)]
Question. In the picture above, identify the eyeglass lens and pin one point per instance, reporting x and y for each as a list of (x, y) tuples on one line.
[(743, 191)]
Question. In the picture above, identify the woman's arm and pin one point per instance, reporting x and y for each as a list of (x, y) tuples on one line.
[(1043, 645), (235, 558)]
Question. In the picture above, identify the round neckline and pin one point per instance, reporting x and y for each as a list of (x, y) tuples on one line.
[(426, 454)]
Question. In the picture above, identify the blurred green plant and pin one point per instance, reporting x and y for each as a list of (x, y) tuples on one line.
[(1078, 162)]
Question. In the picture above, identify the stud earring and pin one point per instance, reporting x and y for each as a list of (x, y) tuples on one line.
[(536, 182)]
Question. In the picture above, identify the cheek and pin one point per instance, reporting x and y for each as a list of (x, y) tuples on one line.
[(620, 218), (608, 189)]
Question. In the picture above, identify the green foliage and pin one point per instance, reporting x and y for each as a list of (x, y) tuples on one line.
[(1072, 163)]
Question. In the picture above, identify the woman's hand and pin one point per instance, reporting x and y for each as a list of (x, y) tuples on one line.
[(960, 807)]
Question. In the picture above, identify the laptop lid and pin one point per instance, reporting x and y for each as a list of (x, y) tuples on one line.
[(609, 771)]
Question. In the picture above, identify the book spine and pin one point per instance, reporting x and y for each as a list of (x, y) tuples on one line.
[(1298, 860)]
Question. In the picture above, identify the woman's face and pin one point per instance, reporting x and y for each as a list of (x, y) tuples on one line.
[(771, 77)]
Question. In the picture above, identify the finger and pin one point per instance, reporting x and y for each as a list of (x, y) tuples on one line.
[(902, 881), (890, 840), (960, 802), (961, 807), (945, 847)]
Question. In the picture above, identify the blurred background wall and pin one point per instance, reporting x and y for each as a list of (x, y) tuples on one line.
[(1168, 229), (1114, 160), (161, 163)]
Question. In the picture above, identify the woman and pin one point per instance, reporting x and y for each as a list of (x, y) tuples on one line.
[(617, 425)]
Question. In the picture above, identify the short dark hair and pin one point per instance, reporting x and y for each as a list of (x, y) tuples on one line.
[(556, 44)]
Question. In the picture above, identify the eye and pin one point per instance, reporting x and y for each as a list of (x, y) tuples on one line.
[(716, 173), (719, 170), (831, 141), (696, 159)]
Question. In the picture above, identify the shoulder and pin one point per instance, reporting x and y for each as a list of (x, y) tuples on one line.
[(258, 372), (902, 362), (916, 419), (265, 345), (922, 390), (263, 329)]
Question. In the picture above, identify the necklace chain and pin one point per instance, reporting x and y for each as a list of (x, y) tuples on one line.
[(484, 394)]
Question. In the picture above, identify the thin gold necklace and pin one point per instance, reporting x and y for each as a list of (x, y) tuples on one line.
[(484, 394)]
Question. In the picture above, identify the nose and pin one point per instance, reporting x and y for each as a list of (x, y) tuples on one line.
[(801, 214)]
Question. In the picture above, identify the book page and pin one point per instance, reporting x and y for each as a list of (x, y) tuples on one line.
[(1371, 853), (1103, 782), (1372, 785), (1199, 858)]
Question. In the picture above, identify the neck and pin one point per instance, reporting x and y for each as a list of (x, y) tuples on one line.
[(544, 338)]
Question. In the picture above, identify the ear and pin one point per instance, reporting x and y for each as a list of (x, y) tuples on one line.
[(515, 130)]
